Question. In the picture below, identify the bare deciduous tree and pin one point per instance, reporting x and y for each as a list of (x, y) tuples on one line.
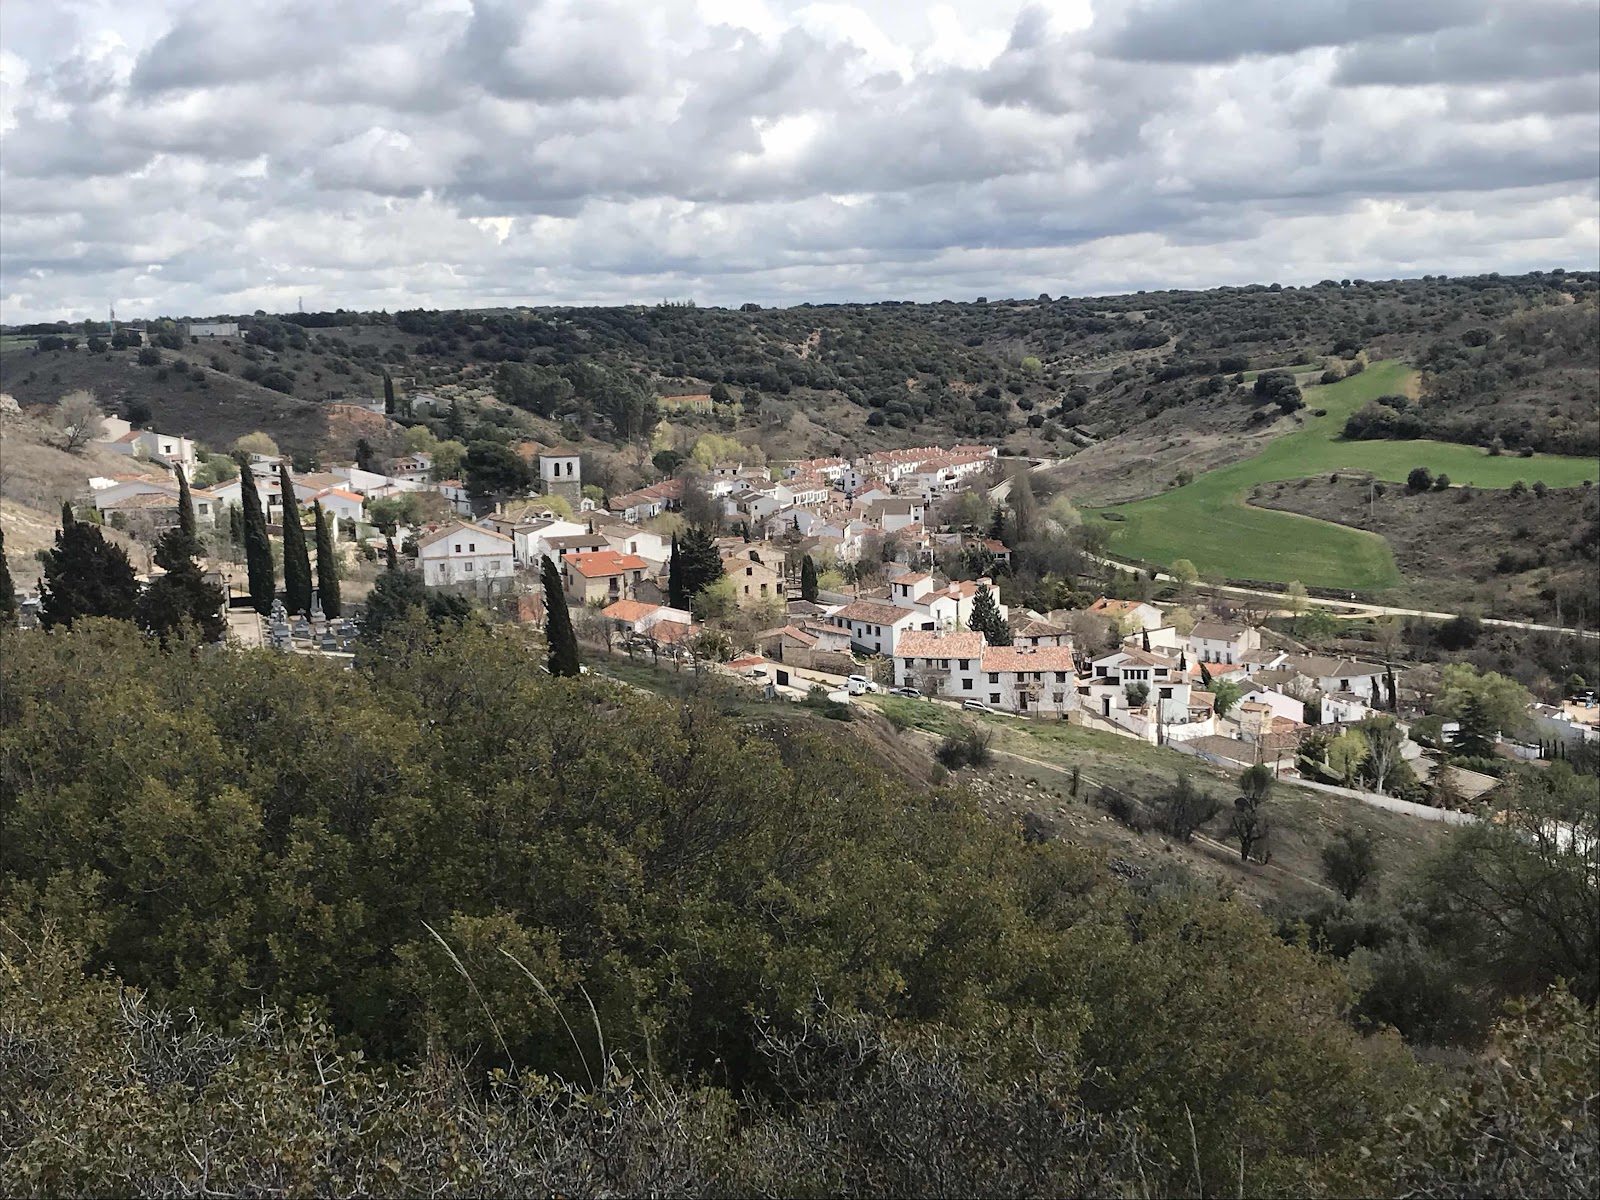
[(79, 419)]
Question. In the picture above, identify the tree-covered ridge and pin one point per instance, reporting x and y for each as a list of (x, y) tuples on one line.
[(279, 830), (449, 853)]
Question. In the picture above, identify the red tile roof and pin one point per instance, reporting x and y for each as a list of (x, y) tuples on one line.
[(597, 564), (629, 610), (873, 612), (1044, 658), (932, 643)]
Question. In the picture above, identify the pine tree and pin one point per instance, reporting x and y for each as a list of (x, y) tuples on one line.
[(699, 563), (257, 547), (327, 564), (296, 558), (185, 505), (85, 576), (559, 637), (675, 597), (986, 619), (1475, 736), (808, 580), (182, 594), (8, 596)]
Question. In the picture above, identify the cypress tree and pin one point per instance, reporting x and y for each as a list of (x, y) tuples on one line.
[(558, 623), (257, 548), (1389, 686), (1205, 676), (388, 394), (182, 594), (296, 558), (185, 505), (390, 559), (808, 580), (1144, 641), (85, 576), (8, 596), (675, 595), (327, 563), (236, 529)]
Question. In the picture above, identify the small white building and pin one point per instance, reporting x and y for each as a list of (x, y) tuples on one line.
[(466, 554), (1135, 614), (560, 474), (214, 329)]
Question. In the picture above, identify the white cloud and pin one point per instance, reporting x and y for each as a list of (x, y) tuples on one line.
[(177, 157)]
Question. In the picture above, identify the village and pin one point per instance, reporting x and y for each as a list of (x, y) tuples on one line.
[(820, 578)]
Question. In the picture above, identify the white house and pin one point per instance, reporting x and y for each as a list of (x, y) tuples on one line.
[(1279, 704), (1032, 632), (340, 503), (166, 448), (897, 512), (1337, 674), (1140, 614), (414, 468), (1345, 708), (1029, 680), (1167, 690), (455, 493), (939, 662), (652, 547), (1214, 642), (873, 625), (463, 553)]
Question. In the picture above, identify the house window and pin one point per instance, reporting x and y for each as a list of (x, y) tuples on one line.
[(472, 547), (469, 566), (966, 685), (749, 570), (494, 564), (994, 697), (1061, 676), (966, 664), (1055, 697), (1344, 685), (994, 676), (1166, 693), (458, 547)]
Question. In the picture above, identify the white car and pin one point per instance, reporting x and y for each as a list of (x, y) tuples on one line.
[(858, 685), (975, 706)]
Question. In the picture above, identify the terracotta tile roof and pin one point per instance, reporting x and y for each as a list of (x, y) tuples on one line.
[(597, 564), (458, 528), (1033, 627), (1044, 658), (1216, 631), (873, 612), (629, 610), (673, 632), (931, 643), (1107, 605)]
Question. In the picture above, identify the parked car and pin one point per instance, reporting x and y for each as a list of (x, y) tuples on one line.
[(859, 685), (975, 706), (910, 693)]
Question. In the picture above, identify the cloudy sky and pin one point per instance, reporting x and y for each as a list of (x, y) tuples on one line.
[(193, 158)]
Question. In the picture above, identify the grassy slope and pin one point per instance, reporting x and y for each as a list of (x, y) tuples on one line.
[(1210, 523), (1046, 752)]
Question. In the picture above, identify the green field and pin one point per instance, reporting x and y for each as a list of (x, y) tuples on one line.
[(1210, 523)]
